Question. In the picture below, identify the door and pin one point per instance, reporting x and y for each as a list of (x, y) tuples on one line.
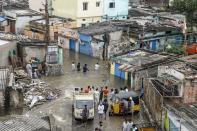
[(85, 48), (72, 44), (154, 45)]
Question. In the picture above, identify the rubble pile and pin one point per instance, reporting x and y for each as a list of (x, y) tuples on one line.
[(20, 73), (36, 92)]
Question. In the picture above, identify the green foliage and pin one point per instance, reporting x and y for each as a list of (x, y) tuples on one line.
[(175, 49)]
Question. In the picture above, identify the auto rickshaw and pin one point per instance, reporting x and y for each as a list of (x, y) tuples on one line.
[(116, 105)]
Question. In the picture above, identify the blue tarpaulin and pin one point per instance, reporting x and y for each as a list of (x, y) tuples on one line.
[(2, 18)]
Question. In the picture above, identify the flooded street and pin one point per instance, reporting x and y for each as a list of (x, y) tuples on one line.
[(72, 79), (61, 108)]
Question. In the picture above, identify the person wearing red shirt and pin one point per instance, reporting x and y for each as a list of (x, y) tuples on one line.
[(106, 92)]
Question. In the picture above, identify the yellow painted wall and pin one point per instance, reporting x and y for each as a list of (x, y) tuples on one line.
[(92, 11), (126, 75), (112, 68), (65, 8)]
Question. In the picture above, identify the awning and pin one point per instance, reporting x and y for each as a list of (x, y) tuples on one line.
[(2, 18), (122, 66)]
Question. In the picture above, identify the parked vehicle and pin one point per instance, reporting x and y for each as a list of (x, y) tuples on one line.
[(79, 102), (116, 105)]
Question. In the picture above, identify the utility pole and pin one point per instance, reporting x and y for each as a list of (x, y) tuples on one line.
[(47, 26)]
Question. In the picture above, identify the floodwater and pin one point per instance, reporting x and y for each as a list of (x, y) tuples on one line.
[(100, 78), (61, 108)]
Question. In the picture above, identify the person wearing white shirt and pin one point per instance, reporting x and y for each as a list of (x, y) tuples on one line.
[(73, 66), (100, 111), (125, 125), (29, 69), (126, 89), (97, 66), (130, 125), (96, 96)]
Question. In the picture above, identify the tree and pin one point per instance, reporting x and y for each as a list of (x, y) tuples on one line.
[(188, 7)]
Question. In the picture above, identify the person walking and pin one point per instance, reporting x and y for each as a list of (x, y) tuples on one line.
[(130, 125), (85, 114), (100, 111), (101, 126), (78, 67), (125, 108), (85, 68), (124, 125), (106, 105), (111, 94), (106, 92), (96, 66), (73, 66), (101, 95), (96, 96), (29, 69), (126, 89), (134, 128)]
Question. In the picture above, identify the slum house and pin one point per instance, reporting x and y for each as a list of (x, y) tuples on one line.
[(146, 33), (137, 65), (175, 86), (51, 56), (18, 18), (6, 50), (97, 40), (36, 28), (157, 3)]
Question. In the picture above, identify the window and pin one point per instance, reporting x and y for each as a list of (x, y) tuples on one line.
[(112, 5), (85, 6), (97, 4), (83, 25)]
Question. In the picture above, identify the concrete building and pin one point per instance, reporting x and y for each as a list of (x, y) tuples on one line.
[(18, 18), (115, 9), (171, 96), (36, 28), (148, 33), (98, 40), (5, 48), (83, 11), (136, 66), (28, 50)]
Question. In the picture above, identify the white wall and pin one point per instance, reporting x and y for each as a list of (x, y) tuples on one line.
[(4, 52), (170, 71), (22, 21)]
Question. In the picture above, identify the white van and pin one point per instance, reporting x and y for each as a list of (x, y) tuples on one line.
[(79, 102)]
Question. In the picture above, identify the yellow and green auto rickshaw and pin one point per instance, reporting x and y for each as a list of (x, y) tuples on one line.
[(116, 103)]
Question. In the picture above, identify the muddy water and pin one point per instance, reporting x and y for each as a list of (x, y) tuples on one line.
[(62, 108), (102, 77), (79, 79)]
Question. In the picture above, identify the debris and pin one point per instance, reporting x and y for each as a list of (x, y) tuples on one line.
[(35, 91)]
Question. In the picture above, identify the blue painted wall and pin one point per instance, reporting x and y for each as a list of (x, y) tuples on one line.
[(85, 38), (178, 40), (85, 49), (120, 10), (118, 72), (72, 44), (154, 45)]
